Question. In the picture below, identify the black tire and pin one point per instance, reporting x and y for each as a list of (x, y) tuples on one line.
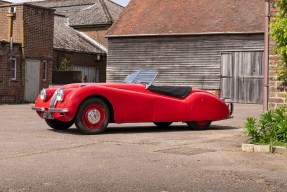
[(93, 116), (162, 124), (59, 125), (199, 125)]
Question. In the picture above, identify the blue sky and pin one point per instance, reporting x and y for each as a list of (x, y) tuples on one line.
[(121, 2)]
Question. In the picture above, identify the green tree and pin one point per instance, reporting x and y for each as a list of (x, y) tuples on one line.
[(278, 31)]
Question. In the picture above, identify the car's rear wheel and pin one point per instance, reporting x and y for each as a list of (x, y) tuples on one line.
[(59, 125), (93, 116), (198, 125), (162, 124)]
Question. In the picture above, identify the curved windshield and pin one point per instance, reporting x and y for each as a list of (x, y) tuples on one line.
[(142, 76)]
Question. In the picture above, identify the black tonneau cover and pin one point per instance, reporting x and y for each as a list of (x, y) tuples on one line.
[(173, 91)]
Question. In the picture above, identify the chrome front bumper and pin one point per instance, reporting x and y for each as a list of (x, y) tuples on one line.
[(51, 110)]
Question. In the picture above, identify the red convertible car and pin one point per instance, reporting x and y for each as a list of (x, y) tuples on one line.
[(92, 106)]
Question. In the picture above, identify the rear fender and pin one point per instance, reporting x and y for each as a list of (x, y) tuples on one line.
[(204, 106)]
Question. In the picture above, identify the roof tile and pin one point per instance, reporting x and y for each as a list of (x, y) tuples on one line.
[(66, 38), (85, 12), (150, 17)]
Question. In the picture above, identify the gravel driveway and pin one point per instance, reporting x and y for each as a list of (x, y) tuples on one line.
[(133, 157)]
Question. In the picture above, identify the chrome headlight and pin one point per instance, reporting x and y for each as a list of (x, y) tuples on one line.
[(43, 94), (60, 95)]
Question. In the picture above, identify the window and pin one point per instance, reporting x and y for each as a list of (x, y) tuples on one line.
[(44, 70), (12, 9), (13, 69)]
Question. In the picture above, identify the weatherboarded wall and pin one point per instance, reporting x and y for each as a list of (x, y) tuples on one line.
[(180, 60)]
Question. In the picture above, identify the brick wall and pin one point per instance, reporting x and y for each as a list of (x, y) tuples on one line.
[(277, 89), (97, 33), (38, 32), (17, 23), (11, 91), (33, 26), (88, 60), (38, 38)]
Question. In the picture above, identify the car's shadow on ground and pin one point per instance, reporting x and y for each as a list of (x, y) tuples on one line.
[(143, 129)]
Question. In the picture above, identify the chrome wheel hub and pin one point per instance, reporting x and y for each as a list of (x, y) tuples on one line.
[(94, 116)]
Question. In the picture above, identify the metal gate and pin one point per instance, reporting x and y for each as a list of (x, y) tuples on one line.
[(242, 76), (32, 80)]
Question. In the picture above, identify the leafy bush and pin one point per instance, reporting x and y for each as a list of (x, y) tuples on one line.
[(64, 65), (271, 128)]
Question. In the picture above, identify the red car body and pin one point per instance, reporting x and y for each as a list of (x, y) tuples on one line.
[(93, 105)]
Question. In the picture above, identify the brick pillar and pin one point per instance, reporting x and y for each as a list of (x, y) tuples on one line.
[(277, 89)]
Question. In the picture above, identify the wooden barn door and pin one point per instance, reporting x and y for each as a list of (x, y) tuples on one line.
[(242, 76), (90, 74)]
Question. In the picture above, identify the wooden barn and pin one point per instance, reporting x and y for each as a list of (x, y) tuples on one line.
[(213, 45)]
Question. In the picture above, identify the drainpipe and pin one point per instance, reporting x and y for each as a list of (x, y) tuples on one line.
[(23, 38), (266, 56), (23, 81), (10, 26)]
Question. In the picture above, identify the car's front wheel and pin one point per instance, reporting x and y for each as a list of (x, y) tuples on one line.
[(199, 125), (162, 124), (59, 125), (93, 116)]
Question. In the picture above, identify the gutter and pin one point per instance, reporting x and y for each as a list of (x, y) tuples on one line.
[(266, 57), (91, 25), (77, 51), (185, 34)]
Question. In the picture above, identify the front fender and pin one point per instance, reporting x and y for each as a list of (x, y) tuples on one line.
[(77, 96)]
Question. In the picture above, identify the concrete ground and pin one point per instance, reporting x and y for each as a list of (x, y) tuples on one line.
[(133, 157)]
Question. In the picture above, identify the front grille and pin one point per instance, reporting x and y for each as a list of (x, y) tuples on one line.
[(54, 99)]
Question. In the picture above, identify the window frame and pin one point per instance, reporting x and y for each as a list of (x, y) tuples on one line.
[(13, 65), (45, 65)]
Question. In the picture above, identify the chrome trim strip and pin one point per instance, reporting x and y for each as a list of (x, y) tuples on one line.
[(38, 108), (51, 110), (59, 110)]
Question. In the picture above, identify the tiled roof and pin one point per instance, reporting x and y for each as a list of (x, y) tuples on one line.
[(157, 17), (85, 12), (63, 3), (69, 39), (4, 2)]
